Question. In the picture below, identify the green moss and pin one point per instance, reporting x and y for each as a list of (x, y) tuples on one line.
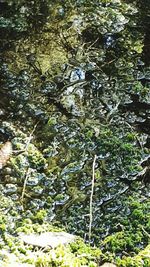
[(29, 226), (131, 136), (142, 259), (76, 254), (40, 216), (35, 158), (79, 247), (3, 223), (132, 238)]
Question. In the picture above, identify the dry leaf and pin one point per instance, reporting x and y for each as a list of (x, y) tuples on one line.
[(5, 153)]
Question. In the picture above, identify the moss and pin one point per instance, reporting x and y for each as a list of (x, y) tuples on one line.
[(123, 241), (142, 259), (76, 254), (30, 226), (132, 238), (35, 158), (79, 247), (40, 216), (2, 223), (131, 136)]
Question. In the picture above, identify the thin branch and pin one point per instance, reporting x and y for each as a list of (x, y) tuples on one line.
[(24, 185), (91, 197), (145, 232), (30, 136), (92, 44)]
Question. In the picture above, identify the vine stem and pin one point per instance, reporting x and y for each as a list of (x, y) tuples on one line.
[(91, 197)]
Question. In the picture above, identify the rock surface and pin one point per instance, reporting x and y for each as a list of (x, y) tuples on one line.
[(107, 264), (51, 239)]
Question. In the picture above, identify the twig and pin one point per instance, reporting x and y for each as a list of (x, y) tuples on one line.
[(113, 110), (31, 136), (145, 232), (92, 44), (91, 197), (24, 185), (28, 170), (132, 129), (16, 152)]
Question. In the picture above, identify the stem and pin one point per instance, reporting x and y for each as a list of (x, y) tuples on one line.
[(91, 197)]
